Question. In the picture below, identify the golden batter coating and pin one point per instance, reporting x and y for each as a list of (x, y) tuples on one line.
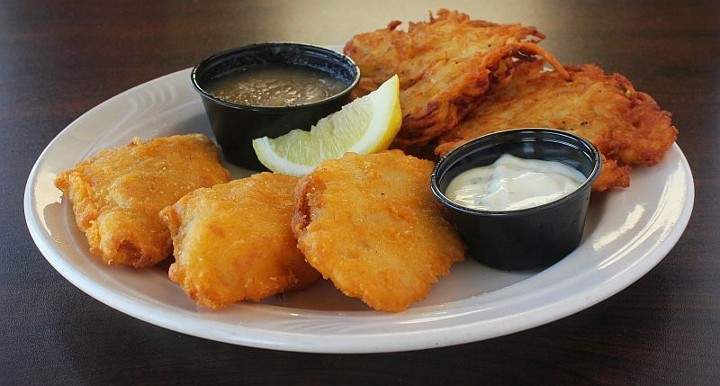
[(233, 241), (116, 195), (371, 225)]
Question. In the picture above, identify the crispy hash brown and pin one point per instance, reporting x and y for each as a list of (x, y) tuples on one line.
[(233, 241), (445, 65), (370, 224), (117, 194), (626, 125)]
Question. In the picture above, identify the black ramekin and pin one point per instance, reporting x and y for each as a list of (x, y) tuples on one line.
[(523, 239), (235, 125)]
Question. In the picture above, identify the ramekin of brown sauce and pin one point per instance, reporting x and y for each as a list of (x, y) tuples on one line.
[(269, 89)]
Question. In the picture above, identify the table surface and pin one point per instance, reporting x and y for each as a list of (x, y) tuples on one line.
[(59, 59)]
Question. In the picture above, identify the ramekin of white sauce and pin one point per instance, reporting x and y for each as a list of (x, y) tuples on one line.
[(518, 198), (513, 183)]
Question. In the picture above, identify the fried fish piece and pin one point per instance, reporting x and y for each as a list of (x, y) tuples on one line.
[(117, 194), (233, 241), (444, 66), (371, 225), (626, 125)]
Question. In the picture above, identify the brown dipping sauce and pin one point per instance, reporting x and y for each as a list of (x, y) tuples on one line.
[(276, 86)]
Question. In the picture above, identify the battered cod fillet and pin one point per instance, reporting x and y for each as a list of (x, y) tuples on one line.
[(444, 66), (116, 195), (233, 241), (626, 125), (370, 224)]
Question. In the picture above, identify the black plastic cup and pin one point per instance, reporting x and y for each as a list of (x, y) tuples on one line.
[(236, 125), (524, 239)]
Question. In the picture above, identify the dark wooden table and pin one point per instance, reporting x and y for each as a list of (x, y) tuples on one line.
[(58, 59)]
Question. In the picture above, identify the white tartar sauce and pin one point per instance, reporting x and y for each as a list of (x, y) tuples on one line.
[(513, 183)]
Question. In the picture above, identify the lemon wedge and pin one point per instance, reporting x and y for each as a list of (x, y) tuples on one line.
[(365, 125)]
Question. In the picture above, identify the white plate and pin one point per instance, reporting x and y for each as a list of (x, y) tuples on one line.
[(628, 232)]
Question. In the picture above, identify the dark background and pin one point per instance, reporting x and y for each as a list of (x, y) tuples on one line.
[(58, 59)]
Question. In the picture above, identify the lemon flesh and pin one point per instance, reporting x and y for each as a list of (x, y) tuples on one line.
[(365, 125)]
